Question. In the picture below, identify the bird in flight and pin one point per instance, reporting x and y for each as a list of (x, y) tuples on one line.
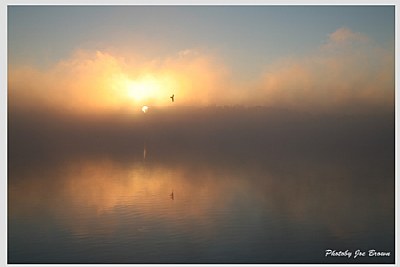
[(172, 98)]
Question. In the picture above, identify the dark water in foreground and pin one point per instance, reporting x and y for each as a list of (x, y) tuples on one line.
[(250, 186)]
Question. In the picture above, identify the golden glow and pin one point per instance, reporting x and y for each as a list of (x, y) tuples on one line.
[(95, 81), (144, 88), (154, 88), (101, 186)]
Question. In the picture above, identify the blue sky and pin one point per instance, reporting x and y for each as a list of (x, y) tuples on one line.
[(245, 36)]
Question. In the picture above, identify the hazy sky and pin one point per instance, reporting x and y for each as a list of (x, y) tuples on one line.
[(201, 53)]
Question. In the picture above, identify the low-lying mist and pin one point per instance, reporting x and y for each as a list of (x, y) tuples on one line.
[(213, 135)]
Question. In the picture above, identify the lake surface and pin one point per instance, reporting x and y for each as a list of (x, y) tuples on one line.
[(249, 186)]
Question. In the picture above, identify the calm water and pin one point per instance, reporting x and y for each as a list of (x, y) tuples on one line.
[(250, 188)]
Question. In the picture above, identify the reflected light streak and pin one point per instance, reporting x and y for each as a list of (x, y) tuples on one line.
[(94, 189)]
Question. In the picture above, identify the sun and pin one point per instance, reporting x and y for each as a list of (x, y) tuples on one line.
[(145, 108), (146, 89), (143, 88)]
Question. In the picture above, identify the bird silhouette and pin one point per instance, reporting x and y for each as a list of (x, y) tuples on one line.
[(172, 195), (172, 98)]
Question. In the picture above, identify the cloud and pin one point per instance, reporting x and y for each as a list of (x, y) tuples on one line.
[(348, 71), (78, 83), (98, 81), (345, 35)]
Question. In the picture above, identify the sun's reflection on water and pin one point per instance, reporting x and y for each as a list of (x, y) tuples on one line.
[(83, 191)]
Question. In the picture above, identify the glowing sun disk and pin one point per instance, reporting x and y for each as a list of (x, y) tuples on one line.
[(141, 89)]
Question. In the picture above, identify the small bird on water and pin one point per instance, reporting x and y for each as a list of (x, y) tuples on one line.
[(172, 98), (172, 195)]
